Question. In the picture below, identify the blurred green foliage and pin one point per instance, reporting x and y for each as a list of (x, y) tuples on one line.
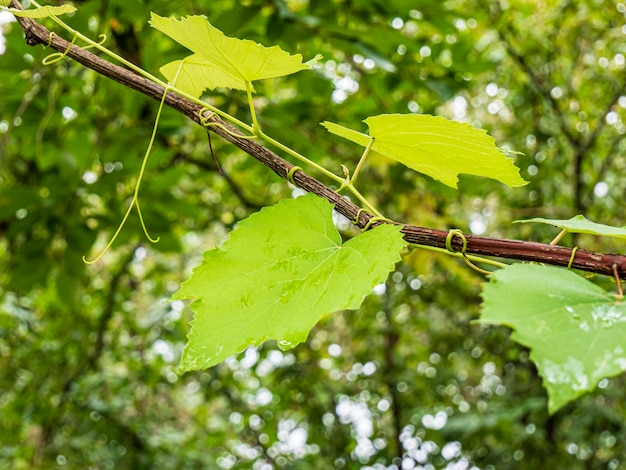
[(89, 353)]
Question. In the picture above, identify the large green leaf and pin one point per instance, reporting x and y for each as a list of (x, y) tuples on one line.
[(575, 330), (435, 146), (241, 59), (580, 224), (281, 270)]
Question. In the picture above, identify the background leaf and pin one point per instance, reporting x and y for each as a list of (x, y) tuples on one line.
[(574, 329), (437, 147), (580, 224), (243, 59), (282, 269)]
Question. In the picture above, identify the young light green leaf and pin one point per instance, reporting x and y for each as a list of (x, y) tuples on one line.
[(281, 270), (43, 12), (349, 134), (575, 330), (437, 147), (240, 58), (194, 74), (580, 224), (4, 3)]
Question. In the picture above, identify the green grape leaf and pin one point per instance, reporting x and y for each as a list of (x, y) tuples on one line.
[(42, 12), (576, 331), (349, 134), (282, 269), (243, 60), (580, 224), (194, 74), (435, 146)]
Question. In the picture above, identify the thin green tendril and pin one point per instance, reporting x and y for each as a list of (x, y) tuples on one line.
[(449, 237), (290, 173), (618, 282), (571, 259), (358, 215), (451, 234), (444, 251), (135, 199), (229, 132), (205, 121), (374, 220), (57, 56), (103, 39)]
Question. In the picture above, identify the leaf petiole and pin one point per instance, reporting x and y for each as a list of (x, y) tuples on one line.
[(558, 238), (255, 124), (362, 160)]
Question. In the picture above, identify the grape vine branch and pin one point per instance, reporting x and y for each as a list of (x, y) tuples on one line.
[(601, 263)]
